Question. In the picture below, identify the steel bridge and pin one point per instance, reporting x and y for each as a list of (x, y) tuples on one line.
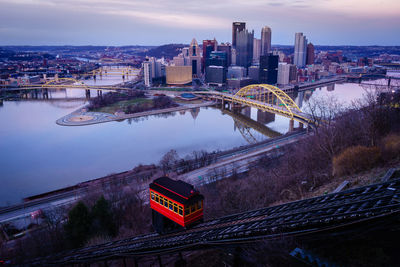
[(264, 97), (64, 83), (337, 214)]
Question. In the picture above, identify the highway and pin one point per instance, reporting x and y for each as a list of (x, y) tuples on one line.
[(236, 161)]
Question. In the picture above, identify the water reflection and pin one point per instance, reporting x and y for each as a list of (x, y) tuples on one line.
[(37, 155)]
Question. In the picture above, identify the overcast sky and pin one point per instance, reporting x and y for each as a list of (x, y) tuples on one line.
[(156, 22)]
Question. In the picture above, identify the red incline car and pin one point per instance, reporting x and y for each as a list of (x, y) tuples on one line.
[(174, 203)]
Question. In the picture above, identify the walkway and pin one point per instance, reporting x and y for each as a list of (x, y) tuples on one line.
[(82, 117)]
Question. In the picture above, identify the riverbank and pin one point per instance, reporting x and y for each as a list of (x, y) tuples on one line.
[(82, 117)]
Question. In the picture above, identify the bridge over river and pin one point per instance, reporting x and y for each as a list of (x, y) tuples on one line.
[(339, 214)]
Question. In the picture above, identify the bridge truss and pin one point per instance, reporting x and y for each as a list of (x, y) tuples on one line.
[(264, 97)]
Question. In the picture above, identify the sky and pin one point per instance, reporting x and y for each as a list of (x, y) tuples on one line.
[(157, 22)]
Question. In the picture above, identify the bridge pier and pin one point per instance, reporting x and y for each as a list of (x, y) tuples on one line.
[(45, 93), (389, 81), (291, 125), (87, 91), (99, 93)]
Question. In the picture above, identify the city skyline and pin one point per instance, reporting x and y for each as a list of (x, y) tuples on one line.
[(154, 22)]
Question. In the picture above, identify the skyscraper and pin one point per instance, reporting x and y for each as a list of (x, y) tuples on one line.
[(268, 69), (300, 49), (237, 27), (256, 50), (310, 54), (195, 57), (208, 47), (147, 73), (244, 48), (265, 40), (283, 73), (228, 49)]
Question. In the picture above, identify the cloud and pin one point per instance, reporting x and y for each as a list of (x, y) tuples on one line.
[(124, 21)]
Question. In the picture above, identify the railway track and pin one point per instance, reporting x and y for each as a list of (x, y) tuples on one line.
[(304, 217)]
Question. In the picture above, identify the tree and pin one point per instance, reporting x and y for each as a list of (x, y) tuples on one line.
[(169, 160), (103, 219), (78, 225)]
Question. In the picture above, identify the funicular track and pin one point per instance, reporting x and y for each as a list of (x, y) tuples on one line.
[(305, 217)]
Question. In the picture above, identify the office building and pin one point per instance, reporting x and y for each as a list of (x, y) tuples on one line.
[(233, 56), (208, 47), (227, 48), (256, 50), (283, 73), (147, 73), (265, 40), (216, 75), (293, 74), (217, 58), (236, 72), (268, 69), (244, 48), (190, 56), (300, 50), (195, 58), (254, 73), (310, 54), (237, 27)]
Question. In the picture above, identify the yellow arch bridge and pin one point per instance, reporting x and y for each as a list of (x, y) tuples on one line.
[(266, 98)]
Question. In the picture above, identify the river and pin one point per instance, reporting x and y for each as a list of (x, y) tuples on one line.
[(37, 155)]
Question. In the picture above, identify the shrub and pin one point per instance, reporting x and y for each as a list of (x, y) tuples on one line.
[(391, 146), (355, 159)]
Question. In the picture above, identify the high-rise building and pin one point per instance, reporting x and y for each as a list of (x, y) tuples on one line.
[(283, 73), (244, 48), (208, 47), (300, 49), (147, 73), (293, 74), (265, 40), (233, 56), (227, 48), (215, 75), (217, 58), (236, 72), (195, 58), (268, 69), (254, 73), (310, 54), (256, 50), (237, 27)]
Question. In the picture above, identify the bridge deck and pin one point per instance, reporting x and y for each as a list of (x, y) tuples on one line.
[(295, 114), (305, 217)]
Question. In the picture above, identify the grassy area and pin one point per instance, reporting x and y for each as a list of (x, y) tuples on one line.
[(121, 105)]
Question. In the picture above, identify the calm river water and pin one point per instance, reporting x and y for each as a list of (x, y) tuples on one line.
[(36, 155)]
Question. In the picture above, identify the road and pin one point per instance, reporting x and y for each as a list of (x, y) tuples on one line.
[(237, 161)]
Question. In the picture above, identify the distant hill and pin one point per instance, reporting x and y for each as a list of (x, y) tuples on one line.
[(168, 51)]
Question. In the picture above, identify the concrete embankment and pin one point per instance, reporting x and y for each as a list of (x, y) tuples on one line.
[(82, 117)]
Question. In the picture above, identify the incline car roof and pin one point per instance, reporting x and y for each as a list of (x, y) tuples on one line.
[(176, 189)]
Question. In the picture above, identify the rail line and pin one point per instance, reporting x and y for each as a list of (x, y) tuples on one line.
[(303, 217)]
